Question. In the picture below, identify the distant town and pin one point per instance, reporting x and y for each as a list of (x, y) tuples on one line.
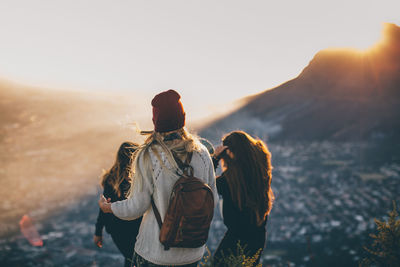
[(326, 202)]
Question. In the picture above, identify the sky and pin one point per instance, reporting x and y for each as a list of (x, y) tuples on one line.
[(212, 52)]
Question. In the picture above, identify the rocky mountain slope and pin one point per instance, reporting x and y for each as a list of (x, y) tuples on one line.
[(342, 95)]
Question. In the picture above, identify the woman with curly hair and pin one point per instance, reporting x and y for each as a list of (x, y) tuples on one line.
[(245, 186)]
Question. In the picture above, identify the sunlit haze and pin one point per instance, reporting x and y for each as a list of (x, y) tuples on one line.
[(212, 52)]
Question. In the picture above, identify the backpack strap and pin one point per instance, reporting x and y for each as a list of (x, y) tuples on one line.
[(184, 166), (158, 217), (189, 158), (156, 212)]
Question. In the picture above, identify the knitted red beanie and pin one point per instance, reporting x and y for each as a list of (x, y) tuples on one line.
[(168, 113)]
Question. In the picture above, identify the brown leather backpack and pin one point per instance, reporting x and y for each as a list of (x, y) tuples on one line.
[(190, 210)]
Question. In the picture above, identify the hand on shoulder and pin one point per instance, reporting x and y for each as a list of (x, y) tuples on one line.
[(105, 204)]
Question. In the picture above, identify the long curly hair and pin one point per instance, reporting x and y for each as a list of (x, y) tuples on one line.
[(122, 168), (249, 174)]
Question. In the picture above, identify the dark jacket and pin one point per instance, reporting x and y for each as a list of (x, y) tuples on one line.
[(108, 220), (241, 228), (237, 221)]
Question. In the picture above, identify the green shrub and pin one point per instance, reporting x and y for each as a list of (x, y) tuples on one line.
[(238, 259), (385, 249)]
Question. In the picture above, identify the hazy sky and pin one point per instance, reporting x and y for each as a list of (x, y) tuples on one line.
[(210, 51)]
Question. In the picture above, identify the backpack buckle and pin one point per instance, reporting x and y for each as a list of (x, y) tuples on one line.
[(189, 170)]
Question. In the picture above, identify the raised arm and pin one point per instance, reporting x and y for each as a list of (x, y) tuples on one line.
[(135, 206), (217, 155)]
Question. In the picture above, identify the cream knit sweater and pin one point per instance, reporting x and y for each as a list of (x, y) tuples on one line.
[(160, 185)]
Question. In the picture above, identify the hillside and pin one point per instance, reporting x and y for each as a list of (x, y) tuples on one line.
[(54, 145), (342, 95)]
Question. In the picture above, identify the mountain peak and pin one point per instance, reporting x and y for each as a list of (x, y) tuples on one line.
[(343, 64), (391, 33), (342, 94)]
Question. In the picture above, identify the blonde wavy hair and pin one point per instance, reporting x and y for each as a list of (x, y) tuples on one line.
[(181, 146)]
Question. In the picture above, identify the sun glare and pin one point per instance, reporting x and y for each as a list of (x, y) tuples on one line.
[(367, 41)]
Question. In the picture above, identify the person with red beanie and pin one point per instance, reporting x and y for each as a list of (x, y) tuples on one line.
[(154, 176)]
